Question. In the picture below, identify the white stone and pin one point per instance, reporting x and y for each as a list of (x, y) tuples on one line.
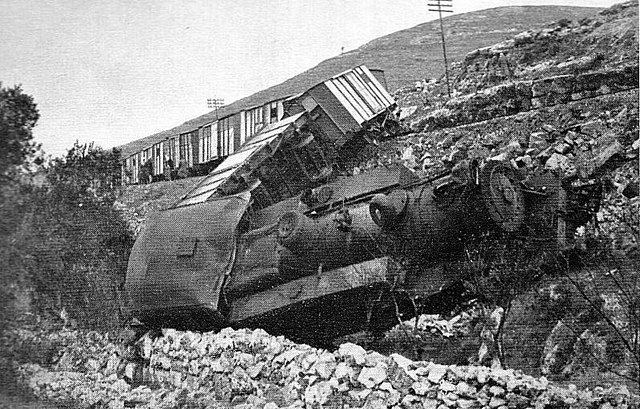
[(254, 371), (421, 388), (325, 365), (401, 361), (464, 389), (447, 386), (436, 372), (428, 403), (374, 358), (496, 391), (287, 356), (466, 404), (130, 370), (318, 394), (386, 386), (244, 360), (120, 386), (370, 377), (409, 400), (343, 371), (496, 402), (355, 352)]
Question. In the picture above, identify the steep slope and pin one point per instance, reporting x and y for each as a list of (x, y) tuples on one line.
[(565, 99)]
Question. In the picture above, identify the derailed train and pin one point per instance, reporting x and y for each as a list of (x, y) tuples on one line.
[(276, 238)]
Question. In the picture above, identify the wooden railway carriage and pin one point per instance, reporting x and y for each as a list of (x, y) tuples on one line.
[(200, 146)]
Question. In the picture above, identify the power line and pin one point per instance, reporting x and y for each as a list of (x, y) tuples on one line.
[(443, 6)]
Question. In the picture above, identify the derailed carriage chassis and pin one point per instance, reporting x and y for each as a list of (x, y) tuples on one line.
[(325, 263)]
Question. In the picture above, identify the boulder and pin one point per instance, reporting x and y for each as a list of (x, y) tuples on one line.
[(353, 352)]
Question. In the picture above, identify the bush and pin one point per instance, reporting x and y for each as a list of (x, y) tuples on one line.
[(68, 244)]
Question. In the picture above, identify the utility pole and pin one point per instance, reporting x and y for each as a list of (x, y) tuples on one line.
[(443, 6), (215, 103)]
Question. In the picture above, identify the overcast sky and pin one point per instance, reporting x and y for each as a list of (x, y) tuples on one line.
[(118, 70)]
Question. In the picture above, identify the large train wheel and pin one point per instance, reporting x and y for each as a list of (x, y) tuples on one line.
[(502, 196)]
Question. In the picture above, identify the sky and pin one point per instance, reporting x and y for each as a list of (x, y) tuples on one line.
[(114, 71)]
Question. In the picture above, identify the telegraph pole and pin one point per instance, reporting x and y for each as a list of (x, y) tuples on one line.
[(215, 103), (443, 6)]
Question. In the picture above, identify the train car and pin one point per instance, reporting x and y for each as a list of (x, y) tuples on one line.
[(208, 143), (252, 120), (131, 169), (342, 105), (198, 148)]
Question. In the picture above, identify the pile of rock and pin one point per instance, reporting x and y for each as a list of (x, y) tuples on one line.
[(253, 369), (578, 138)]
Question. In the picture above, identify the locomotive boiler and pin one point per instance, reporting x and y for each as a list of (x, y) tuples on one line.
[(317, 264)]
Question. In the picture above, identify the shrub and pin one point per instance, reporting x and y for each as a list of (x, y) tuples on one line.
[(70, 246)]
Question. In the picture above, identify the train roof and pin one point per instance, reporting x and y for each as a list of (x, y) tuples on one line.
[(253, 152)]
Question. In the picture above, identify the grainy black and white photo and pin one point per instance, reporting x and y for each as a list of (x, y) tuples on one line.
[(418, 204)]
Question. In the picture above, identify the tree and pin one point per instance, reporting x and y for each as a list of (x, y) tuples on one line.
[(86, 173), (18, 116)]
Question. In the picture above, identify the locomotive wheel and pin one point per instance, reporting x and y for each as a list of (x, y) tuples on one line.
[(290, 228), (502, 196)]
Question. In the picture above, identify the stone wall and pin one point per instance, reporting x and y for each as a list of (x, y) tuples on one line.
[(519, 96)]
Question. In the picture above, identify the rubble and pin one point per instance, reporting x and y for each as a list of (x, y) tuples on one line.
[(255, 369), (568, 137)]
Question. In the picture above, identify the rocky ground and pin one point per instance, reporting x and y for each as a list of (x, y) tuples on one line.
[(136, 202), (563, 99)]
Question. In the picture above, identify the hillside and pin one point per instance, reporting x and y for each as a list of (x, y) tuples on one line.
[(563, 96), (559, 98), (416, 53), (405, 56)]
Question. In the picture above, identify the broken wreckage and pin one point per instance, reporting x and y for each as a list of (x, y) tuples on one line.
[(274, 238)]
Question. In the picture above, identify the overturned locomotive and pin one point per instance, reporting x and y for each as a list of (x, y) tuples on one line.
[(276, 237)]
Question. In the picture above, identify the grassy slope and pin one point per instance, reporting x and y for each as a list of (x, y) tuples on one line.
[(416, 53), (406, 56)]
